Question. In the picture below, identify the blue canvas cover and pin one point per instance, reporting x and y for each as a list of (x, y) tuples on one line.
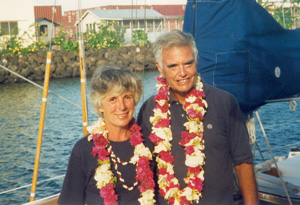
[(244, 51)]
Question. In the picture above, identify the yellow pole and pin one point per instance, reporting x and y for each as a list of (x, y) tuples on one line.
[(41, 127), (83, 87)]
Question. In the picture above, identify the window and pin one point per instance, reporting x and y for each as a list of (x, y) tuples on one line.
[(9, 28), (4, 28), (43, 30)]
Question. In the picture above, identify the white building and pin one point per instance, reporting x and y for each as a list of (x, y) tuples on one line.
[(17, 16), (148, 19)]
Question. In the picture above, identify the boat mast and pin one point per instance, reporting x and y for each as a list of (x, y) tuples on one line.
[(43, 112), (82, 73)]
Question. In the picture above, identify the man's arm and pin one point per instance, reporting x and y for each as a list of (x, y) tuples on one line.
[(247, 183)]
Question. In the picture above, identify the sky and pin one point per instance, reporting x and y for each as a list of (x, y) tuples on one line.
[(75, 4)]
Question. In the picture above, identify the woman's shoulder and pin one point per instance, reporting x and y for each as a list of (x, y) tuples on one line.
[(83, 145)]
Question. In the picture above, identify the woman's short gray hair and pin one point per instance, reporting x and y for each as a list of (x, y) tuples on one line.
[(111, 78), (172, 39)]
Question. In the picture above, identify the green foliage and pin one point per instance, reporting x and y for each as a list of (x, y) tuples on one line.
[(139, 37), (181, 17), (295, 1), (61, 42), (108, 35), (13, 45), (283, 16), (266, 5), (34, 47)]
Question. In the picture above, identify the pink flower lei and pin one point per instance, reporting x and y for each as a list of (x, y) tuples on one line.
[(192, 141), (104, 176)]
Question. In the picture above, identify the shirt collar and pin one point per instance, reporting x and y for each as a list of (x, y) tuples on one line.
[(171, 98)]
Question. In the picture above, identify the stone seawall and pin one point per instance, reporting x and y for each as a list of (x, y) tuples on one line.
[(66, 64)]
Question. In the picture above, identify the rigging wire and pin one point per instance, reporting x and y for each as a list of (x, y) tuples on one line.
[(28, 185), (273, 158), (41, 87)]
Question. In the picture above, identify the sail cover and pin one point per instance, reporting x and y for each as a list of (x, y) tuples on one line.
[(244, 51)]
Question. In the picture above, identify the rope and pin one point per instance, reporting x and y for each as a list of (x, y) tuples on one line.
[(250, 124), (251, 129), (292, 105), (28, 185)]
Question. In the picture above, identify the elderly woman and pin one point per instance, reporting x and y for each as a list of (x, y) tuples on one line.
[(111, 164)]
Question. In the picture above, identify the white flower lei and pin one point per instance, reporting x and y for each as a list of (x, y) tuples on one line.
[(105, 177), (161, 135)]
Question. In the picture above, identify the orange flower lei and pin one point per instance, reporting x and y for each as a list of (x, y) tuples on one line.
[(104, 176), (192, 141)]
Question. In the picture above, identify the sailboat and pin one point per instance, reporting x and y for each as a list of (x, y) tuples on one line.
[(244, 51)]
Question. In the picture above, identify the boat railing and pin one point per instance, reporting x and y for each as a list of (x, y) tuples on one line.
[(284, 185)]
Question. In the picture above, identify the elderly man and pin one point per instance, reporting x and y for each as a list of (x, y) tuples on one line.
[(197, 131)]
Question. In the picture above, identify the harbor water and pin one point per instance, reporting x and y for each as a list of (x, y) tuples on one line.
[(20, 106)]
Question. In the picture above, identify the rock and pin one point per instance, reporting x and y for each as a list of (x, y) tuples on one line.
[(106, 55), (66, 64), (2, 75), (140, 58), (150, 66), (101, 62), (2, 79), (119, 63), (13, 68), (65, 59), (75, 69), (52, 68), (4, 62), (113, 59), (136, 67), (12, 79), (25, 72)]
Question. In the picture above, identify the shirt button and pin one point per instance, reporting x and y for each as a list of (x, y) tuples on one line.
[(182, 115)]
